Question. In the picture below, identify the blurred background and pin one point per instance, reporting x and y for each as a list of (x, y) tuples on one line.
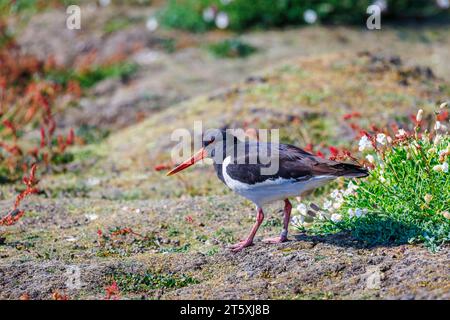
[(132, 59)]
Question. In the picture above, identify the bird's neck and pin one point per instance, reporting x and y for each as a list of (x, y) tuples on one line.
[(229, 150)]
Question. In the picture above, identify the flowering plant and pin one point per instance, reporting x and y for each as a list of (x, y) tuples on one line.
[(406, 197)]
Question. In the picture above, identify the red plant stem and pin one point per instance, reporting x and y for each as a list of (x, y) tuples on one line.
[(15, 214)]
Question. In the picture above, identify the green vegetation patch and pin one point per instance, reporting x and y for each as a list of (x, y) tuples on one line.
[(119, 23), (231, 48), (95, 74), (144, 282)]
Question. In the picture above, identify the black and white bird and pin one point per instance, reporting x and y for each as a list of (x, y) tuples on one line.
[(245, 167)]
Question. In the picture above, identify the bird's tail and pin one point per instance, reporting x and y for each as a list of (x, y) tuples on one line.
[(350, 170)]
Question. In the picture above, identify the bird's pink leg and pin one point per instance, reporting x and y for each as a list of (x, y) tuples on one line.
[(249, 241), (286, 219)]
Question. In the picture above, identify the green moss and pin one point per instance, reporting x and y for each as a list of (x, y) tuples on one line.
[(93, 75), (272, 222), (144, 282), (224, 235), (173, 231), (118, 23), (231, 48), (63, 158), (91, 134), (175, 249)]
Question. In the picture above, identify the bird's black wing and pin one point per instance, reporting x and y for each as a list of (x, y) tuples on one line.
[(294, 163)]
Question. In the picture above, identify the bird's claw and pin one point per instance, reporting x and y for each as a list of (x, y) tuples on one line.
[(276, 240), (241, 245)]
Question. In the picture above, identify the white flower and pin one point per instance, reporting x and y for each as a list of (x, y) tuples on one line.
[(338, 204), (327, 204), (370, 158), (302, 209), (381, 138), (222, 20), (382, 179), (298, 220), (437, 139), (365, 144), (441, 167), (437, 126), (351, 213), (400, 133), (359, 213), (336, 217), (443, 4), (350, 188), (322, 215), (301, 221), (104, 3), (440, 126), (419, 115), (335, 194), (382, 4), (426, 138), (445, 104), (310, 16), (209, 14), (151, 24)]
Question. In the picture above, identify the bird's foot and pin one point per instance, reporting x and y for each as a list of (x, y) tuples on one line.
[(241, 245), (276, 240)]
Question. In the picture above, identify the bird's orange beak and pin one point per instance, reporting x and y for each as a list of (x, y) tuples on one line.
[(199, 155)]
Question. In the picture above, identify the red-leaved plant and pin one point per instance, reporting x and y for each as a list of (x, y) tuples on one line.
[(28, 101), (15, 214)]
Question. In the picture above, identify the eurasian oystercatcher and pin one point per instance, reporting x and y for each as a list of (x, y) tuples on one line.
[(243, 165)]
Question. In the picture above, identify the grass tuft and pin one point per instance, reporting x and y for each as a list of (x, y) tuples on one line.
[(231, 48), (139, 283)]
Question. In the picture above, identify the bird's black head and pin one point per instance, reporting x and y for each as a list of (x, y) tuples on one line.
[(219, 143), (216, 144)]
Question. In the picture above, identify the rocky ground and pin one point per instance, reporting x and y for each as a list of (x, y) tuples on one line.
[(109, 216), (187, 258)]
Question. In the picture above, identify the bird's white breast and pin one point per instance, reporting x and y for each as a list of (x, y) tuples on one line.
[(271, 189)]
